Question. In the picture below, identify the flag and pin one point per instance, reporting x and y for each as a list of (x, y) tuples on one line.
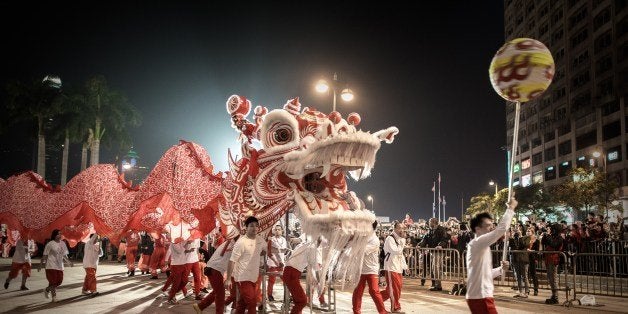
[(439, 178), (433, 186), (444, 200)]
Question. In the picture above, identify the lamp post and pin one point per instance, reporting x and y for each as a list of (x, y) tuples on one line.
[(597, 154), (370, 198), (322, 86), (494, 183)]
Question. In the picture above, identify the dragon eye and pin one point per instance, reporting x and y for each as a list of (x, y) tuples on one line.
[(282, 135)]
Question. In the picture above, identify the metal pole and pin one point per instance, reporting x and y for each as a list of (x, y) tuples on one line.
[(515, 139), (434, 201), (333, 87)]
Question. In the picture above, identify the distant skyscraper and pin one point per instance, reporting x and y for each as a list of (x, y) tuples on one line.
[(584, 110)]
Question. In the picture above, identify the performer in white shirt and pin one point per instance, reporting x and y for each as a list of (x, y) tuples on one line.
[(218, 264), (90, 263), (191, 262), (278, 246), (21, 262), (306, 254), (55, 254), (479, 260), (394, 265), (370, 275), (244, 264), (178, 267)]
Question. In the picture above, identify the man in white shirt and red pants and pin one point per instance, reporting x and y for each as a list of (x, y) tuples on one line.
[(306, 254), (178, 267), (244, 265), (480, 262), (21, 262), (394, 265), (277, 246), (370, 275), (90, 263), (217, 264)]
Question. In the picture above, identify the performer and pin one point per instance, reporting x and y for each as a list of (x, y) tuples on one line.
[(278, 246), (370, 275), (90, 263), (55, 254), (132, 241), (158, 258), (394, 265), (179, 268), (244, 265), (191, 263), (21, 262), (122, 250), (306, 254), (479, 260), (218, 264), (146, 248)]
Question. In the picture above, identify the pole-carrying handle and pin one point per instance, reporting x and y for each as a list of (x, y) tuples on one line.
[(515, 140)]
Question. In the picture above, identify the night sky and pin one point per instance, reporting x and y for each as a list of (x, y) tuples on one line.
[(423, 69)]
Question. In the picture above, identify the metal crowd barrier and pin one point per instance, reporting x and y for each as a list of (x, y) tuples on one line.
[(434, 264), (600, 274)]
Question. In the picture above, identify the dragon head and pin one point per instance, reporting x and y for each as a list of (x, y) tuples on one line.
[(304, 159)]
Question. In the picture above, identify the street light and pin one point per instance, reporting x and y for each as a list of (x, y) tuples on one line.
[(323, 86), (598, 154), (370, 198), (491, 183)]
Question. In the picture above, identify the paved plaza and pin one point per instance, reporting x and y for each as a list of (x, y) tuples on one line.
[(139, 294)]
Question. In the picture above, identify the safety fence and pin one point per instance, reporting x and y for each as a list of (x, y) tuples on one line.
[(574, 273)]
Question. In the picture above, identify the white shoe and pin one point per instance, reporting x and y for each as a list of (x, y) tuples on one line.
[(54, 299), (87, 292), (46, 293)]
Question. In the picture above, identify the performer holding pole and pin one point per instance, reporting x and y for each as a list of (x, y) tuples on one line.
[(90, 263), (394, 265), (55, 254), (479, 260), (217, 265), (21, 262), (244, 265), (370, 275)]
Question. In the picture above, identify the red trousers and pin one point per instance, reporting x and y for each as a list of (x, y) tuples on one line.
[(54, 276), (217, 294), (271, 279), (291, 277), (90, 279), (248, 298), (169, 282), (393, 289), (180, 275), (130, 257), (157, 261), (195, 268), (17, 267), (373, 282), (482, 306), (144, 262)]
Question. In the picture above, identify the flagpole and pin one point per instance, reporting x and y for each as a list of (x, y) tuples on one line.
[(434, 200), (439, 219), (444, 208)]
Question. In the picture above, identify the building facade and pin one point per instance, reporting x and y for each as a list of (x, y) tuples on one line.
[(580, 120)]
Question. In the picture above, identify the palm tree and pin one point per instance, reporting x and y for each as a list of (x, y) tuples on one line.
[(111, 111), (34, 101), (71, 126)]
